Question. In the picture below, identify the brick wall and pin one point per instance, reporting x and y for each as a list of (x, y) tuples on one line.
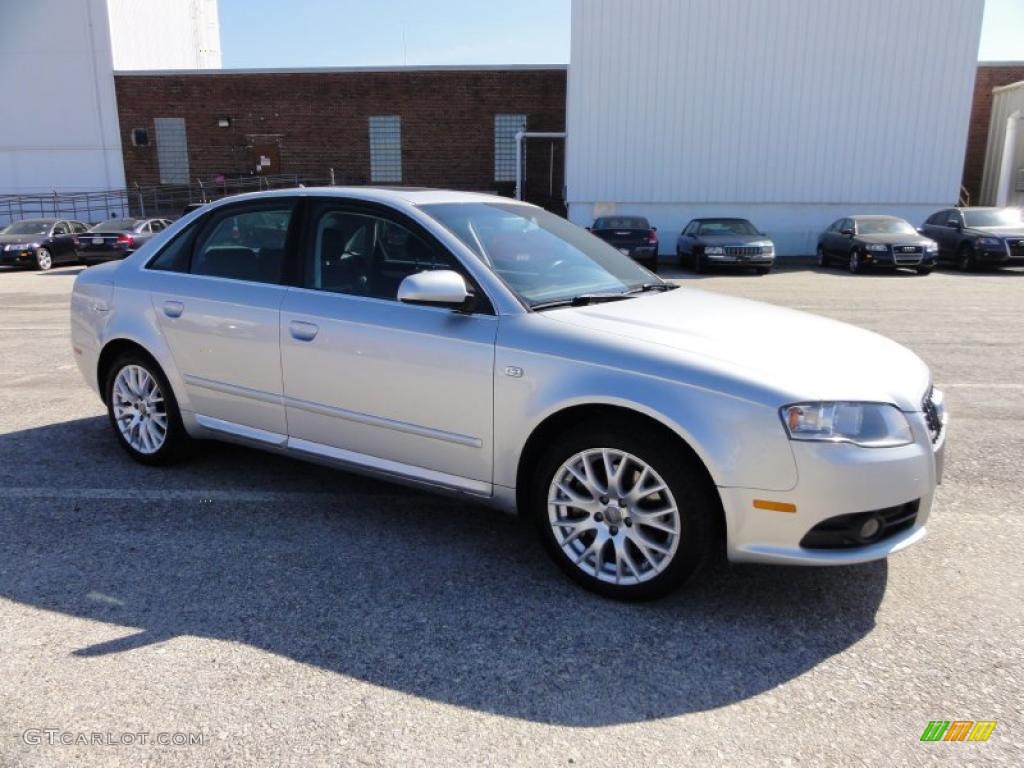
[(987, 78), (318, 121)]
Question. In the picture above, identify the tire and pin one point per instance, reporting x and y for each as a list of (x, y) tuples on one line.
[(128, 373), (44, 260), (653, 264), (680, 258), (822, 258), (965, 259), (698, 263), (762, 270), (854, 265), (925, 270), (670, 558)]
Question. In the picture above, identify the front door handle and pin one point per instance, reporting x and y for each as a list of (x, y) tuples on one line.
[(173, 308), (301, 331)]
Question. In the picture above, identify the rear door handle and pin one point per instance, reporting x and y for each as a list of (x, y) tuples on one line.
[(173, 308), (302, 331)]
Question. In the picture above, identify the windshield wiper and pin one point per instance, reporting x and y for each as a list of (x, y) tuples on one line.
[(643, 288), (582, 300)]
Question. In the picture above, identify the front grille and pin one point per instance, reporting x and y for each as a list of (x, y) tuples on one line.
[(932, 416), (907, 255), (844, 531), (743, 250)]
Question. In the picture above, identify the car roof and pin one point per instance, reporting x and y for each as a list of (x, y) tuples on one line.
[(47, 221), (874, 217), (981, 207), (407, 195)]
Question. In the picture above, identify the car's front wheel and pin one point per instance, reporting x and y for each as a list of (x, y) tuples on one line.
[(855, 265), (44, 260), (965, 258), (143, 411), (822, 260), (621, 512)]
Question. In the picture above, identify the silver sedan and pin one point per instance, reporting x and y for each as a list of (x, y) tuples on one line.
[(481, 346)]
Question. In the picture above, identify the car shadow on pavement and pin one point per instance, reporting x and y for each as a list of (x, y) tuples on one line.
[(421, 594)]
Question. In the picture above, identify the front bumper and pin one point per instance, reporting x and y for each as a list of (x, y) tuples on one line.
[(837, 479), (887, 259), (22, 256)]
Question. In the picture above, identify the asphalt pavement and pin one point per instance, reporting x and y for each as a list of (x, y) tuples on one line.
[(289, 614)]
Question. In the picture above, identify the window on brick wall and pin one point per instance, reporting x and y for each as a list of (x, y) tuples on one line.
[(505, 129), (171, 149), (385, 149)]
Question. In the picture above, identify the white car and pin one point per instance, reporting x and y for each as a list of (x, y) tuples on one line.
[(484, 347)]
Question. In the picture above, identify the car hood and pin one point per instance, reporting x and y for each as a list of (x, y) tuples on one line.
[(4, 239), (731, 239), (885, 239), (782, 355)]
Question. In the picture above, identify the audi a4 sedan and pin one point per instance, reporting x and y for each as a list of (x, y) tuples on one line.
[(863, 242), (117, 238), (483, 347), (705, 243)]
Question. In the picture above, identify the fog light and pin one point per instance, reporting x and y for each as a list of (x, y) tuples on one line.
[(870, 528)]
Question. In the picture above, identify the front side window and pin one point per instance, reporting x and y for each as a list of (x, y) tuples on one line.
[(156, 225), (385, 149), (60, 228), (364, 255), (540, 256)]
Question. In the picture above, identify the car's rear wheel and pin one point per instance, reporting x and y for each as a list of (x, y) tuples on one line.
[(44, 260), (854, 265), (621, 512), (143, 411)]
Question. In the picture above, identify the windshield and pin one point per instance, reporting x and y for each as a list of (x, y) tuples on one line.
[(621, 222), (884, 227), (540, 256), (115, 225), (33, 227), (727, 227), (1003, 217)]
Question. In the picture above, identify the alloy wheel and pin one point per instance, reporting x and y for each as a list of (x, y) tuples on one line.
[(140, 412), (43, 259), (613, 516), (821, 257), (854, 262)]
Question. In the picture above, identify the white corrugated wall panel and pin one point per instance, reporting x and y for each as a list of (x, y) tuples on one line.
[(769, 101)]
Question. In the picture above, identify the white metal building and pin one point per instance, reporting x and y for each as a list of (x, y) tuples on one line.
[(1003, 178), (790, 112), (60, 128)]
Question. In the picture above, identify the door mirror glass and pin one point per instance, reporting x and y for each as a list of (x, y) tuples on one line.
[(441, 287), (846, 231)]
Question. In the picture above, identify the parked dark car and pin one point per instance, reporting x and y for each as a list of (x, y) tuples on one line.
[(975, 237), (40, 243), (632, 235), (724, 242), (861, 242), (117, 238)]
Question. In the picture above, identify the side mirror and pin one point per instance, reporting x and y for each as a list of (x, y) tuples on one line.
[(439, 287), (846, 232), (654, 229)]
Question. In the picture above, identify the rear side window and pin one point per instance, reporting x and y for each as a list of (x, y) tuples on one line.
[(235, 243)]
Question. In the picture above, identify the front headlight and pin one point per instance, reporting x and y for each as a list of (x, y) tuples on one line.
[(876, 247), (989, 241), (872, 425), (932, 247), (714, 250)]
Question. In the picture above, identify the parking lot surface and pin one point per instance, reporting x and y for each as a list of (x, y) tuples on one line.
[(296, 615)]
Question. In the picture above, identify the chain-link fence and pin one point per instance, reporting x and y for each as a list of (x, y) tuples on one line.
[(166, 200)]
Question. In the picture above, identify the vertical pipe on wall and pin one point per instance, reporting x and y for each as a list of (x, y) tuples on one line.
[(1004, 188)]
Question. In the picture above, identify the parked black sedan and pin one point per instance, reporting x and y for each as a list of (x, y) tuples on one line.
[(116, 238), (724, 242), (860, 242), (40, 243), (975, 237), (632, 235)]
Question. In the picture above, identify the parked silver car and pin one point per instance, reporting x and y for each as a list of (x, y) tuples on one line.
[(484, 347)]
